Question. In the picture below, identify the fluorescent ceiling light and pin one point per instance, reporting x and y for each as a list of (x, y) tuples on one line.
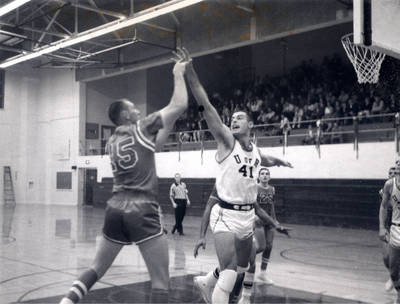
[(11, 6), (110, 27)]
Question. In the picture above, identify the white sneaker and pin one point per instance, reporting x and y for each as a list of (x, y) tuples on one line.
[(244, 300), (262, 276), (389, 285), (205, 290)]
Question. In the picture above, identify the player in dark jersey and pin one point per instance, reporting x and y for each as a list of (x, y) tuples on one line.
[(385, 244), (264, 234), (132, 214)]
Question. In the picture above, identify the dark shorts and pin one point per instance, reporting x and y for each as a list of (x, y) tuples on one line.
[(131, 220)]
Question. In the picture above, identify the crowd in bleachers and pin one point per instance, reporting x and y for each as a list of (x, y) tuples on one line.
[(308, 92)]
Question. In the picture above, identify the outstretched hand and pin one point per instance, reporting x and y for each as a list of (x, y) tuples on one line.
[(182, 58), (200, 243), (287, 164), (283, 230)]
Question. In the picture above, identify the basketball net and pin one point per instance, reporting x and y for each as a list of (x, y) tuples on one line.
[(366, 61)]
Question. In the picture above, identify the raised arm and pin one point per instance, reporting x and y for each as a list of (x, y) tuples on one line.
[(178, 103), (270, 161), (220, 131), (383, 210)]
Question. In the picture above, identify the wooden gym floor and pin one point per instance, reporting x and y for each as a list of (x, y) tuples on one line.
[(43, 248)]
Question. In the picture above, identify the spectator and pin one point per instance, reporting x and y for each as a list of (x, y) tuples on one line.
[(310, 136), (377, 106), (298, 117), (285, 125), (365, 108), (336, 136), (255, 107)]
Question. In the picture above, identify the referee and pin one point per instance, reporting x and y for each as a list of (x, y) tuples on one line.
[(178, 194)]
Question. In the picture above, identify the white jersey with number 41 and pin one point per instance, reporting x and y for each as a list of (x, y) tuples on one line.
[(236, 181)]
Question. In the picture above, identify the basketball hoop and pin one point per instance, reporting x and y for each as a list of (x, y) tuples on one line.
[(366, 61)]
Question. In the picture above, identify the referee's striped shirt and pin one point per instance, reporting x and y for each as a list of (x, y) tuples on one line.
[(178, 191)]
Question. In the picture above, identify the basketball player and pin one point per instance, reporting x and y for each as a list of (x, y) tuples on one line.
[(264, 234), (232, 218), (385, 244), (264, 199), (132, 214), (391, 197)]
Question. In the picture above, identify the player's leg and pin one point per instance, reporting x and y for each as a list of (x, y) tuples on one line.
[(394, 268), (105, 255), (176, 212), (155, 255), (249, 275), (269, 240), (226, 252), (385, 254), (183, 212)]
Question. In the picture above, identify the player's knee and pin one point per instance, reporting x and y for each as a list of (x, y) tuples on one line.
[(227, 279)]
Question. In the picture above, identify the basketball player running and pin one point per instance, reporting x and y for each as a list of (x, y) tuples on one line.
[(232, 218), (132, 213), (264, 234), (391, 197), (262, 243), (385, 244)]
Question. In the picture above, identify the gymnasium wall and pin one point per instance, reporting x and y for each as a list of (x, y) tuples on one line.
[(40, 132), (270, 58), (337, 161), (101, 93)]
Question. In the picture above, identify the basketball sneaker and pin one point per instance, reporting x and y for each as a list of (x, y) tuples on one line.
[(262, 276), (205, 290), (389, 285)]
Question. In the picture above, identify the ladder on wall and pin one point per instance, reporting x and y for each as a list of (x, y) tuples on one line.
[(9, 196)]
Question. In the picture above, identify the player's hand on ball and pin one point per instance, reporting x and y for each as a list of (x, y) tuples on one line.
[(283, 230), (384, 235), (200, 243)]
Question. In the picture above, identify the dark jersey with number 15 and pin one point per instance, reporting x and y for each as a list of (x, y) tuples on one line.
[(131, 149)]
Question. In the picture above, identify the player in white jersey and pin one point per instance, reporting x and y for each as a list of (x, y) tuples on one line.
[(385, 244), (391, 197), (232, 217)]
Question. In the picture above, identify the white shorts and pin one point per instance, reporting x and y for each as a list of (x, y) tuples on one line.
[(394, 239), (241, 223)]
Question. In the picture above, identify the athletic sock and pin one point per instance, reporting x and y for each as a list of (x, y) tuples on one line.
[(264, 263), (80, 287)]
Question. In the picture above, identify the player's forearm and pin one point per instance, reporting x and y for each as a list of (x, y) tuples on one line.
[(270, 161), (205, 221), (211, 115), (178, 103), (383, 212), (172, 200), (265, 217)]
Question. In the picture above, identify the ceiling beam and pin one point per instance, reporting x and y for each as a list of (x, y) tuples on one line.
[(144, 15)]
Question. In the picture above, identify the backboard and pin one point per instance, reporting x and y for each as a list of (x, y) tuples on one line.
[(377, 24)]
